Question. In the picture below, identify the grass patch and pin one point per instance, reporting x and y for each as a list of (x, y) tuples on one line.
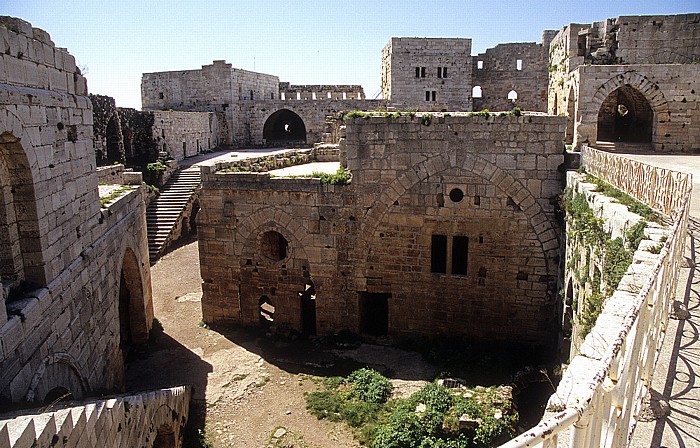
[(632, 204), (114, 195), (428, 418), (340, 177)]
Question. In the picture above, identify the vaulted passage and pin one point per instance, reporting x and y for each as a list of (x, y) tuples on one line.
[(132, 318), (284, 126), (625, 116)]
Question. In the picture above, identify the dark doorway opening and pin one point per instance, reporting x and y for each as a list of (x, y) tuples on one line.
[(308, 309), (125, 339), (374, 313), (284, 126), (625, 116), (113, 136), (57, 394)]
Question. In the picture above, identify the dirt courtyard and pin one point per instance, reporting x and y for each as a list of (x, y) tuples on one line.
[(247, 386)]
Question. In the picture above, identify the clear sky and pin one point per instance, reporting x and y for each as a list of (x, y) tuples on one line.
[(302, 42)]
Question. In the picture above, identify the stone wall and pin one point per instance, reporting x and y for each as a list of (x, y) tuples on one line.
[(427, 74), (321, 92), (63, 254), (520, 68), (484, 183), (153, 418), (186, 134), (248, 122)]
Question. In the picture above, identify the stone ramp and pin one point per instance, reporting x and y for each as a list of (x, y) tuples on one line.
[(672, 417), (128, 420), (166, 211)]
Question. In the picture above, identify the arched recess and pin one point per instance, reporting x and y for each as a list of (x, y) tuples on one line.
[(113, 140), (133, 325), (22, 244), (476, 92), (272, 219), (625, 116), (284, 126), (57, 372), (480, 167), (649, 90), (570, 116)]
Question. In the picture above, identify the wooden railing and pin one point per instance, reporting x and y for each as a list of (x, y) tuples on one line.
[(599, 398)]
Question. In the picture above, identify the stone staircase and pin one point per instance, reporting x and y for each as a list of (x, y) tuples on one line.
[(166, 210), (129, 420)]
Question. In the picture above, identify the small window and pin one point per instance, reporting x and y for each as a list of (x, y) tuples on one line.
[(161, 96), (427, 95), (417, 72), (479, 65), (460, 248), (513, 95), (422, 72), (444, 72), (251, 94), (359, 96), (433, 95), (456, 195), (345, 95), (330, 95), (439, 71), (272, 95), (476, 92), (313, 95), (519, 64), (438, 254), (282, 96)]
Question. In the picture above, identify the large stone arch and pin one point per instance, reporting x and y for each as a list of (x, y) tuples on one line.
[(59, 370), (284, 125), (651, 92), (132, 300), (20, 229), (479, 166), (271, 218)]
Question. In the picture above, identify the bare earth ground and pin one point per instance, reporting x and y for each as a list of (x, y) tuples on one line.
[(247, 386)]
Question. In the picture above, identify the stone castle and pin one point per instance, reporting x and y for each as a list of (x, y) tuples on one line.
[(448, 225)]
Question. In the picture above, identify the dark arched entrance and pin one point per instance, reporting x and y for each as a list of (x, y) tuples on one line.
[(625, 116), (133, 328), (284, 126)]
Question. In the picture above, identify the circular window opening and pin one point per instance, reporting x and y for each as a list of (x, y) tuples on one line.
[(456, 195), (274, 245)]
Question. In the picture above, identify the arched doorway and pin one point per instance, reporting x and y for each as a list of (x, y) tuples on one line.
[(284, 126), (133, 328), (625, 116), (113, 137)]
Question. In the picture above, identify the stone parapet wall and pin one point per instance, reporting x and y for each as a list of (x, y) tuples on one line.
[(600, 394), (154, 418), (321, 92)]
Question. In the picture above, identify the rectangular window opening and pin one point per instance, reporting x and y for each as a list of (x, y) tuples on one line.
[(422, 72), (439, 72), (433, 95), (444, 72), (479, 65), (427, 95), (519, 64), (460, 250), (438, 254), (417, 72)]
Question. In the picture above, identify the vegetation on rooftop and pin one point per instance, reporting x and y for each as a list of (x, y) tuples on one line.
[(114, 195)]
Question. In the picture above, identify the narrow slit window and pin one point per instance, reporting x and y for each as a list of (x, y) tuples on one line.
[(460, 250), (422, 72), (439, 71), (519, 64), (313, 95), (479, 65), (444, 72), (427, 95), (438, 254), (298, 95), (417, 72), (433, 95)]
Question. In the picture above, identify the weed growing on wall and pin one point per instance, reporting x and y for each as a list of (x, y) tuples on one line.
[(586, 229)]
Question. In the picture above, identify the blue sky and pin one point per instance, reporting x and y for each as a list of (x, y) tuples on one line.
[(302, 42)]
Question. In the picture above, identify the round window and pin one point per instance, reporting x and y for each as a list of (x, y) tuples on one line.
[(274, 245), (456, 195)]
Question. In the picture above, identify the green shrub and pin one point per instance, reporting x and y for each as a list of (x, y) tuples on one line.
[(370, 386)]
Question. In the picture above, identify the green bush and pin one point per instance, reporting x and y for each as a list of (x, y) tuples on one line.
[(370, 386)]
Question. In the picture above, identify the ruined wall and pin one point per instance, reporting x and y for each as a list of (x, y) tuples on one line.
[(254, 86), (137, 135), (427, 74), (185, 134), (61, 271), (320, 92), (517, 67), (371, 242), (107, 128)]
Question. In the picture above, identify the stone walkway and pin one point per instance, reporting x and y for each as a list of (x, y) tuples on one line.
[(675, 393)]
